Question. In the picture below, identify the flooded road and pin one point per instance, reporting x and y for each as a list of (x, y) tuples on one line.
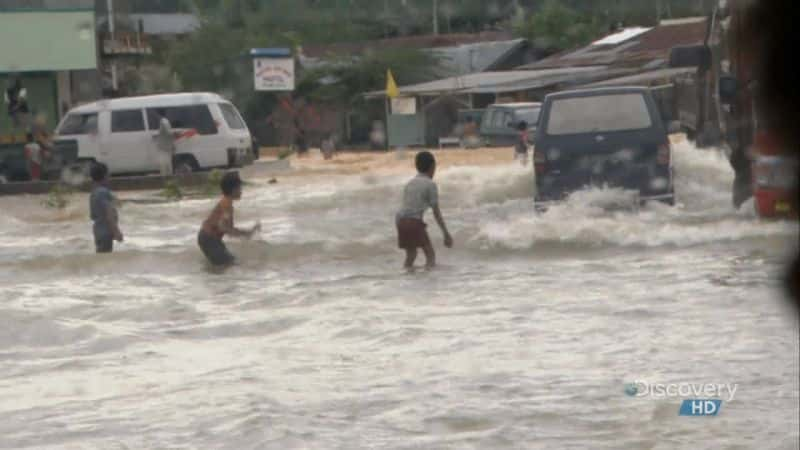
[(524, 338)]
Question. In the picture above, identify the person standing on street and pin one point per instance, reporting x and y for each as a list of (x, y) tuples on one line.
[(17, 103), (165, 141)]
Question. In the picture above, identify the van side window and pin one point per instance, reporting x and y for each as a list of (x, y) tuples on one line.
[(197, 117), (232, 117), (498, 119), (79, 124), (508, 120), (127, 121)]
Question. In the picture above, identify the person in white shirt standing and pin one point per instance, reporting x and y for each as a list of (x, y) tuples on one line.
[(165, 141)]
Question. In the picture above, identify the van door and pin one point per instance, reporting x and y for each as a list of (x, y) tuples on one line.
[(198, 133), (128, 142), (83, 128)]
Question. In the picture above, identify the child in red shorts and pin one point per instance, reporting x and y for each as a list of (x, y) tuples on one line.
[(420, 194)]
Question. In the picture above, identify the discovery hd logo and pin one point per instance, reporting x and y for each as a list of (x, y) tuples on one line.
[(703, 399)]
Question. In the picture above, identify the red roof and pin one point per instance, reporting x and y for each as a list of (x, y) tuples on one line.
[(417, 42), (657, 42), (649, 46)]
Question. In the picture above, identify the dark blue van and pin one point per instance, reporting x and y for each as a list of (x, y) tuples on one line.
[(604, 137)]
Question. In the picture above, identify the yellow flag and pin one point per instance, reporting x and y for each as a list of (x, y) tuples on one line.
[(391, 86)]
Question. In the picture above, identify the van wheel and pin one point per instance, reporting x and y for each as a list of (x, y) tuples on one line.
[(184, 165)]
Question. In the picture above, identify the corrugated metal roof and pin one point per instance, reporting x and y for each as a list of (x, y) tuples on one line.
[(639, 49), (620, 37), (663, 37), (646, 78), (498, 82), (478, 57)]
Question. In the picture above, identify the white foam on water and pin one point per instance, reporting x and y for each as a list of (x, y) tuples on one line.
[(704, 214)]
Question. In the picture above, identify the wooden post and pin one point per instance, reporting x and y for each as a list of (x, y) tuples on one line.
[(386, 125)]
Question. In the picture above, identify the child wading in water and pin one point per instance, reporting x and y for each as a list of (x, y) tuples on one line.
[(420, 194), (220, 222), (103, 211), (521, 148)]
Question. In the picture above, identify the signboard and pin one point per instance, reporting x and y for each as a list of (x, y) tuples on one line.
[(404, 105), (273, 74)]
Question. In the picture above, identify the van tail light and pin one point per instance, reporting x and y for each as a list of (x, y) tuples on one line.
[(664, 154), (539, 161)]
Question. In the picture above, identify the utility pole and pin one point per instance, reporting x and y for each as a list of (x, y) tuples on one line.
[(110, 7), (435, 17)]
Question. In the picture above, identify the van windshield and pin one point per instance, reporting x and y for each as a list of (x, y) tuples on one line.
[(232, 117), (614, 112), (79, 124), (529, 115)]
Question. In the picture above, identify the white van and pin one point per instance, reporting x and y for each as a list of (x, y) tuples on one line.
[(121, 132)]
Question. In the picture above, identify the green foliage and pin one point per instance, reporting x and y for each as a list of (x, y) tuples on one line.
[(172, 190), (558, 27), (213, 181), (344, 81), (58, 197)]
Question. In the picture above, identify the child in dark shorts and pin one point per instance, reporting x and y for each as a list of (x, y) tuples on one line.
[(420, 194), (220, 222), (103, 211)]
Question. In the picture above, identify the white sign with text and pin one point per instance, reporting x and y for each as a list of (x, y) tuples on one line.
[(274, 74)]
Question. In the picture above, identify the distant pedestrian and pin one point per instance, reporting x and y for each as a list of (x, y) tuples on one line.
[(34, 158), (300, 138), (16, 98), (420, 194), (220, 222), (41, 134), (328, 147), (103, 211), (165, 141), (521, 147), (469, 134)]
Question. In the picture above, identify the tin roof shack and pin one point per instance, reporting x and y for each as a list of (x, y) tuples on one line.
[(439, 101), (646, 52), (625, 53), (49, 46), (457, 55)]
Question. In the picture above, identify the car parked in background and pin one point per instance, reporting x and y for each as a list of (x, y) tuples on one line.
[(612, 137), (500, 121)]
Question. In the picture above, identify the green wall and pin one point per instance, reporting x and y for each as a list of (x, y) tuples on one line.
[(42, 98), (47, 41)]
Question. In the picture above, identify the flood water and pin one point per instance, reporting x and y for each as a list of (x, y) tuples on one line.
[(524, 337)]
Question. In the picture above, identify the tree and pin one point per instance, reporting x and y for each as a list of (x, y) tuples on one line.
[(557, 27), (344, 80)]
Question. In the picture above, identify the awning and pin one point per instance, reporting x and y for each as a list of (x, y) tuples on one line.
[(507, 81)]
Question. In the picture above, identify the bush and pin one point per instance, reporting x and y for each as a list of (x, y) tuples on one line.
[(58, 197), (212, 182), (172, 190)]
